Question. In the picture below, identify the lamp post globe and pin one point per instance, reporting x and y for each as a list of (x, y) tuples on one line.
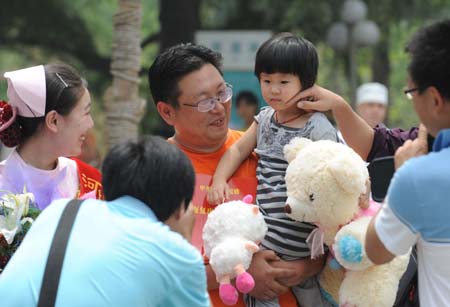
[(366, 33), (337, 36), (353, 11), (354, 31)]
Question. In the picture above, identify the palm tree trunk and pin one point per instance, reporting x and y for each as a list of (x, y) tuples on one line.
[(124, 108)]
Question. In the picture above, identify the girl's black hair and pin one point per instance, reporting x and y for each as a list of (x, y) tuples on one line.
[(287, 53)]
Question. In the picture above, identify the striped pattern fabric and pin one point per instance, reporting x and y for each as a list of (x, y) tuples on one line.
[(285, 236)]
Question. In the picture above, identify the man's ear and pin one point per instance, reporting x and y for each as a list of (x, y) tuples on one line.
[(439, 104), (166, 111), (178, 214), (51, 121)]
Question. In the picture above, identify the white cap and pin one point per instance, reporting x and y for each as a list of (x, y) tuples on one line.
[(372, 93), (27, 91)]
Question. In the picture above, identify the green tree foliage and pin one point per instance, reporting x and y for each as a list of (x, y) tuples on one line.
[(307, 17), (386, 62), (51, 25), (80, 32)]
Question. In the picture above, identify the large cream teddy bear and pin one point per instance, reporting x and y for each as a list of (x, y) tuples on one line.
[(324, 181), (231, 236)]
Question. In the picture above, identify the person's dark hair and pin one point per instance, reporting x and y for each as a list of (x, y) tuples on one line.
[(290, 54), (173, 64), (430, 57), (61, 96), (151, 170), (248, 97)]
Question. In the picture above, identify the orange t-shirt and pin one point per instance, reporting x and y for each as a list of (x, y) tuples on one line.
[(205, 165)]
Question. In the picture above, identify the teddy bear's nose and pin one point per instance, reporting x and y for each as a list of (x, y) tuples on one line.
[(287, 209)]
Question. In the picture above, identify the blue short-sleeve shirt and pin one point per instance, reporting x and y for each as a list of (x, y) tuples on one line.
[(118, 254)]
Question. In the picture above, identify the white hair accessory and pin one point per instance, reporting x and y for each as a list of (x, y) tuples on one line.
[(61, 79)]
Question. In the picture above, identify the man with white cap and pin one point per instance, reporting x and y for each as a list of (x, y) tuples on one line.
[(371, 103)]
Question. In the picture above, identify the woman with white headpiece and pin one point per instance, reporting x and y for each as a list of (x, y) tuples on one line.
[(47, 119)]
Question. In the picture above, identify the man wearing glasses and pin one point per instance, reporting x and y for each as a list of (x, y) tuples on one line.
[(417, 210), (191, 95)]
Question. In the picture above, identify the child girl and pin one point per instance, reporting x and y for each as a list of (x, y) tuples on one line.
[(285, 65)]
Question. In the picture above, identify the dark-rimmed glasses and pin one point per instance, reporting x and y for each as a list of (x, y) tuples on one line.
[(408, 92), (208, 104)]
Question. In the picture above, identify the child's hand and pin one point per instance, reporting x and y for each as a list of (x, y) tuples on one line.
[(218, 192)]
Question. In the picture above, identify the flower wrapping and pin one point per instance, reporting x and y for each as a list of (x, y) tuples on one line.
[(17, 213)]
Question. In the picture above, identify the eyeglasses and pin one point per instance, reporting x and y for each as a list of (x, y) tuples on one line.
[(207, 105), (409, 91)]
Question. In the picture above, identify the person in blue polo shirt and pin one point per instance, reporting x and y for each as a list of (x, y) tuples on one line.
[(417, 210), (130, 250)]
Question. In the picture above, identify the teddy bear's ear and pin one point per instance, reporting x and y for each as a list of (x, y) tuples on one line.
[(294, 147), (350, 176)]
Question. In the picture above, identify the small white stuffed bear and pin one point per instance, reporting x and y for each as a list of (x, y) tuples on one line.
[(324, 181), (231, 236)]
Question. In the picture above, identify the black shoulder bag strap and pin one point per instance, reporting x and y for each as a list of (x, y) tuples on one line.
[(52, 273)]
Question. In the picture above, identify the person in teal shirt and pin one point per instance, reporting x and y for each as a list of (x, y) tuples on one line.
[(130, 250)]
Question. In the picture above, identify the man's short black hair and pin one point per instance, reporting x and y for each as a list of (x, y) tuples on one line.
[(173, 64), (151, 170), (430, 57), (290, 54), (248, 97)]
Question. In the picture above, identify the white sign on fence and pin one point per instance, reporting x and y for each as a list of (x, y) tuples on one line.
[(238, 48)]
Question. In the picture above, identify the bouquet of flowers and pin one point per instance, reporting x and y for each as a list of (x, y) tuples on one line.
[(17, 213)]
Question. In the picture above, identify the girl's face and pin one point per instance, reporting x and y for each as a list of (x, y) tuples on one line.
[(278, 88), (73, 127)]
